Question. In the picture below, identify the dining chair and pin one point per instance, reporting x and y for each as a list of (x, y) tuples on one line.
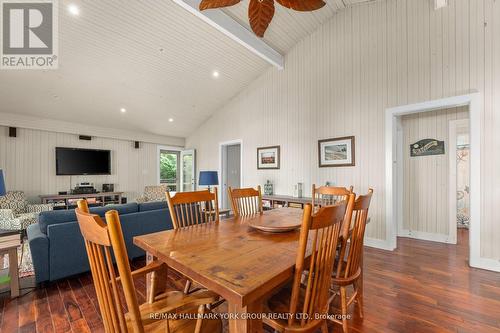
[(105, 240), (189, 209), (350, 267), (329, 195), (192, 208), (245, 201), (307, 303)]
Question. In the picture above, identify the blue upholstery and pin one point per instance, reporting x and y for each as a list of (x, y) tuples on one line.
[(63, 216), (39, 245), (60, 251), (153, 205)]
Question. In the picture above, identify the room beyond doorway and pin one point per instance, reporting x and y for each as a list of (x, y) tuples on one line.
[(230, 169)]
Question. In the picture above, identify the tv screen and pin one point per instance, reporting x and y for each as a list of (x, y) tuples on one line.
[(75, 161)]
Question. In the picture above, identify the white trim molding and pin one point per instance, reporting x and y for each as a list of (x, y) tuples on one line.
[(394, 188), (231, 28), (59, 126)]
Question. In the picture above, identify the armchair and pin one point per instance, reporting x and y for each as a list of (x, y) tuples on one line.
[(16, 213), (153, 193)]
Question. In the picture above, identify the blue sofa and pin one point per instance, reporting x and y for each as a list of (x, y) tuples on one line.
[(57, 246)]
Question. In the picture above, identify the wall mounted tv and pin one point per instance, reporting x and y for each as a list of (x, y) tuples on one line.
[(76, 161)]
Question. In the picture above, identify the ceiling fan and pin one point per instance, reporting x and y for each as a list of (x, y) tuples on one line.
[(261, 12)]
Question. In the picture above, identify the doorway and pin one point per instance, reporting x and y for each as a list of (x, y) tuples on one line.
[(426, 163), (230, 170), (393, 171), (459, 175), (177, 168)]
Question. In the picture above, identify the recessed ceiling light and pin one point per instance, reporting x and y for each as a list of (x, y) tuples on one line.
[(170, 119), (73, 10), (215, 74), (123, 110)]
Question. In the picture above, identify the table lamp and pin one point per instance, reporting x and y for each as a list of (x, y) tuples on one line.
[(208, 178), (3, 191)]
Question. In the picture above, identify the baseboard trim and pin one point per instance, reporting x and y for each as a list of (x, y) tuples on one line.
[(486, 263), (378, 244), (427, 236)]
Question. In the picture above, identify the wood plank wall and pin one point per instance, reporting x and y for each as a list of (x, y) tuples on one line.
[(340, 80), (29, 161)]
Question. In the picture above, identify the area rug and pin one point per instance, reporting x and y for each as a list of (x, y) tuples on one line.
[(24, 260)]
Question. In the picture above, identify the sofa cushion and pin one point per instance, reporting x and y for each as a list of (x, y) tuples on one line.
[(63, 216), (154, 205), (122, 209)]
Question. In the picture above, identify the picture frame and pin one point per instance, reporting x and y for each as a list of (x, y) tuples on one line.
[(337, 152), (268, 158)]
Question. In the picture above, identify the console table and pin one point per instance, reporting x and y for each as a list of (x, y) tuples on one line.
[(68, 201), (286, 200)]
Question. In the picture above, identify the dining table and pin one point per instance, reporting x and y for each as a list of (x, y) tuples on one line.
[(241, 264)]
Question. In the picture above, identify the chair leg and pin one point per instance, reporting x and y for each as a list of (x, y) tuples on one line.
[(187, 287), (324, 327), (359, 297), (343, 300), (153, 287)]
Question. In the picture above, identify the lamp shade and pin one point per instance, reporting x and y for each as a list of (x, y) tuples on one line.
[(3, 191), (209, 178)]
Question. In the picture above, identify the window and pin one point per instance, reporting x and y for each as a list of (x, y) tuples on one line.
[(169, 169)]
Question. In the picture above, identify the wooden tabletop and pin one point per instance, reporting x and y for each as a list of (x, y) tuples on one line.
[(230, 258)]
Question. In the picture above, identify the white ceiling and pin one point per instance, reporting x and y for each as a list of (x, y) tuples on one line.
[(154, 60)]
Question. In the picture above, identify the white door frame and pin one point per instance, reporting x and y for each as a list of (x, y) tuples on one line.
[(394, 186), (453, 127), (228, 143)]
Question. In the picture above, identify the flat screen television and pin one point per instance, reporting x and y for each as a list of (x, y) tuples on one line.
[(76, 161)]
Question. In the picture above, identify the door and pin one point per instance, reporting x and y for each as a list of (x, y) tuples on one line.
[(169, 169), (231, 170), (188, 170)]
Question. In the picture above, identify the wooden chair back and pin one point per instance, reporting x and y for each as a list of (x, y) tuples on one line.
[(329, 195), (245, 201), (324, 225), (100, 238), (356, 237), (193, 208)]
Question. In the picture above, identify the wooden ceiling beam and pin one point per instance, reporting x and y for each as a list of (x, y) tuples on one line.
[(231, 28)]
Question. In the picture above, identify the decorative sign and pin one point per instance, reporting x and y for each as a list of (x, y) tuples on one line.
[(427, 147)]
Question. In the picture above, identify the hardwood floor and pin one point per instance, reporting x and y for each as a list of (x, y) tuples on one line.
[(421, 287)]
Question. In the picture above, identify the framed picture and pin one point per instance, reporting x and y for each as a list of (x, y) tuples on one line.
[(268, 157), (336, 152)]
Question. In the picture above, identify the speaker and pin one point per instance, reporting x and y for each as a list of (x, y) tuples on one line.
[(12, 132), (108, 187), (85, 137), (136, 144)]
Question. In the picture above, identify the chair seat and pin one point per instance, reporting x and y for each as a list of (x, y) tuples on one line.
[(171, 302), (279, 303)]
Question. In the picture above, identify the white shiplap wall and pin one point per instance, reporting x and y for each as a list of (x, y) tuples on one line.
[(339, 81), (426, 188), (28, 162)]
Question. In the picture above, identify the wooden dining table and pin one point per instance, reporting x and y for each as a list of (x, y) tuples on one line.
[(241, 264)]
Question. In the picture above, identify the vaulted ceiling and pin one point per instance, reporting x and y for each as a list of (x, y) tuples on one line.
[(153, 58)]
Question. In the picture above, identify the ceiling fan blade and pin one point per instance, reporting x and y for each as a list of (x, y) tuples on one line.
[(302, 5), (260, 14), (209, 4)]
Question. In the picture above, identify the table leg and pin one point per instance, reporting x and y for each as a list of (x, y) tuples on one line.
[(245, 325), (14, 273), (156, 282)]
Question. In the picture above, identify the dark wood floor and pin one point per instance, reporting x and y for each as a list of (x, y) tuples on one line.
[(421, 287)]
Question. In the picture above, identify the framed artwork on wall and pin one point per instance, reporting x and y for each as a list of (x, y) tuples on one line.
[(268, 157), (336, 152)]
